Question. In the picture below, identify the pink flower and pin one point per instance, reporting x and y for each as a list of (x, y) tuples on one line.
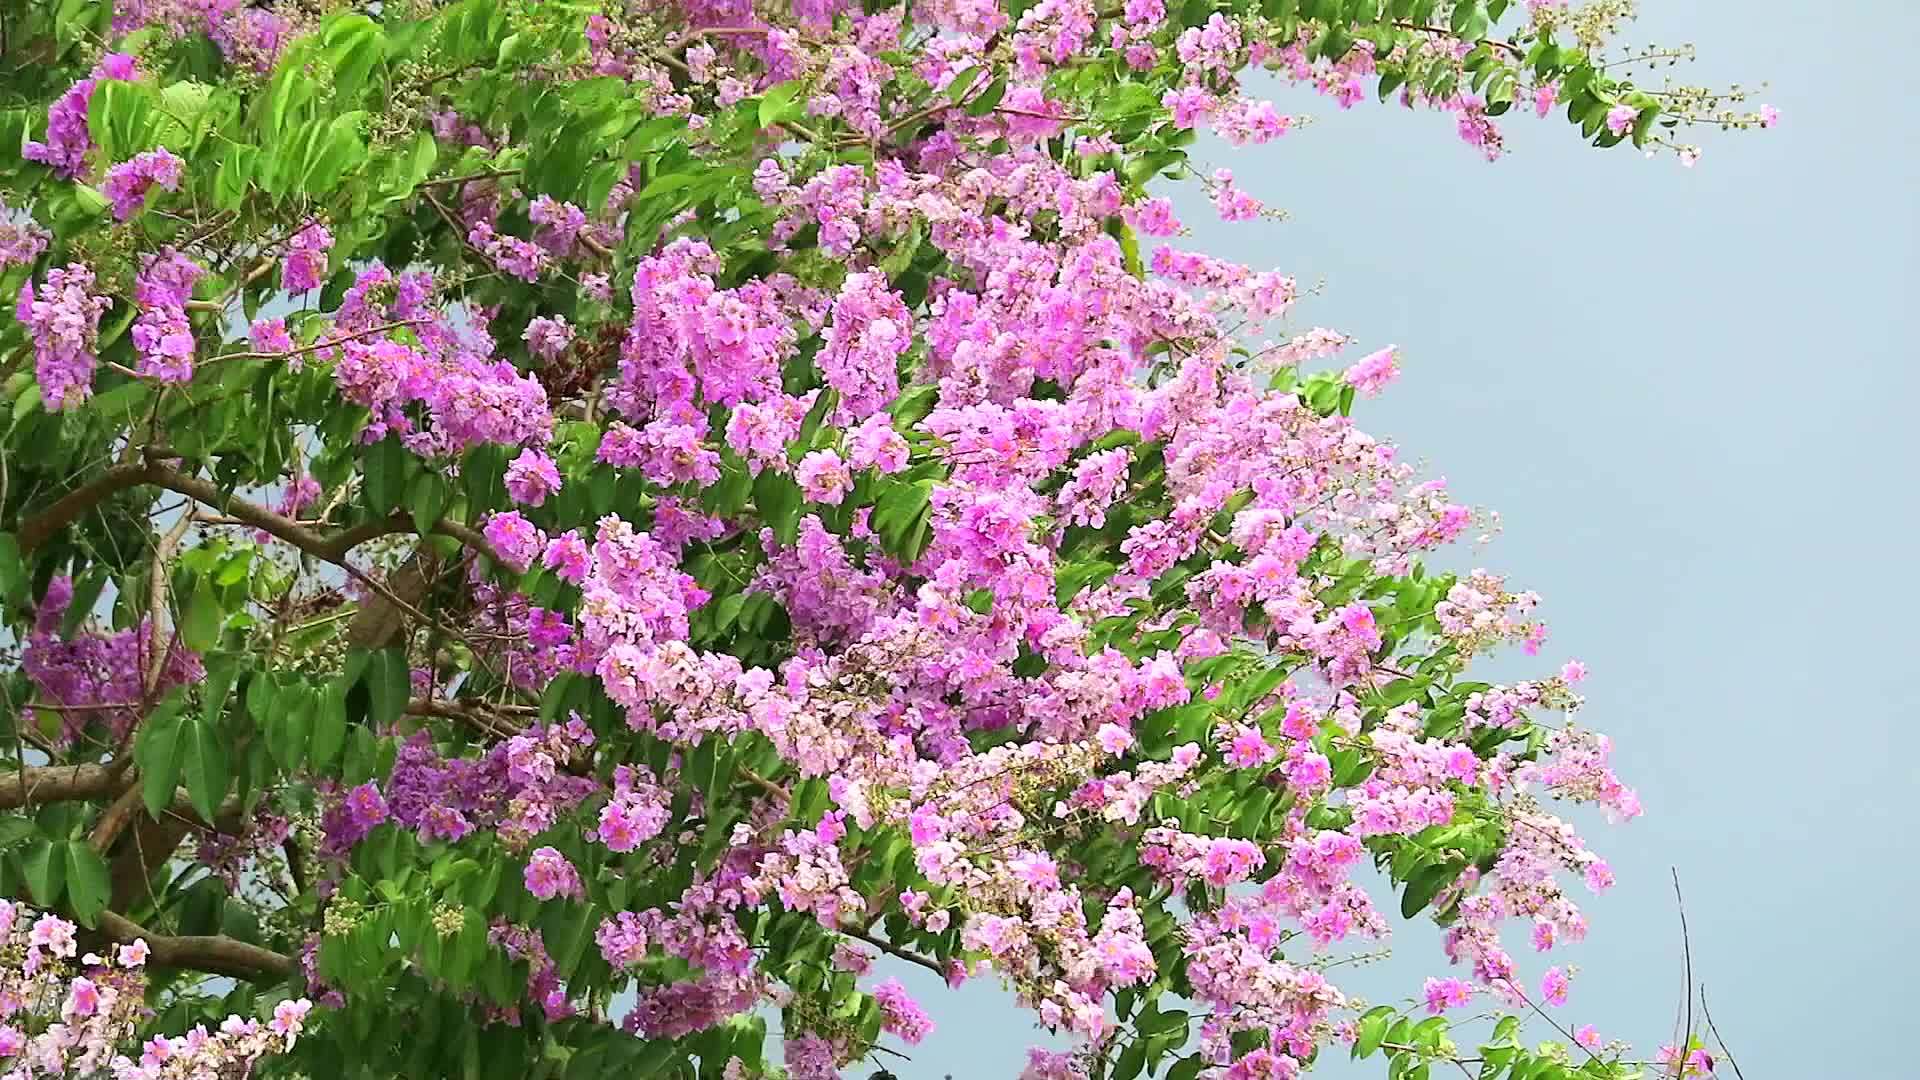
[(1620, 119), (1599, 876), (567, 556), (83, 999), (549, 874), (134, 955), (1553, 986), (289, 1019), (1573, 672), (1769, 116), (1374, 371), (514, 540), (532, 477), (1444, 994), (1588, 1036), (547, 337), (127, 183), (1113, 738), (824, 477), (306, 260), (54, 934), (1249, 749), (900, 1014)]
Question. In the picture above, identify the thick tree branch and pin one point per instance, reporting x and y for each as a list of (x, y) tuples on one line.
[(40, 785), (45, 525), (212, 954), (330, 548), (37, 785)]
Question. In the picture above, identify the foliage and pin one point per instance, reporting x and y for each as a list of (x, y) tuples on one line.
[(561, 531)]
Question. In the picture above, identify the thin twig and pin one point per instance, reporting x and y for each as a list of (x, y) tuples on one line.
[(1724, 1048), (1686, 952)]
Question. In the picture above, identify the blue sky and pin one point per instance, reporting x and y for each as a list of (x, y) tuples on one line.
[(1690, 396)]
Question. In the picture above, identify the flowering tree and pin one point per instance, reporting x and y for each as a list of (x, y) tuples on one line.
[(562, 531)]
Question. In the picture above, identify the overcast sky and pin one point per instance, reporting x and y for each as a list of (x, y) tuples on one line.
[(1692, 396)]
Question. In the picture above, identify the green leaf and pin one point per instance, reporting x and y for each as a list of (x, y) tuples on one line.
[(222, 673), (1373, 1030), (88, 884), (1155, 1022), (14, 830), (329, 724), (333, 152), (13, 572), (778, 104), (204, 763), (428, 500), (779, 501), (385, 466), (1423, 886), (727, 610), (964, 81), (989, 98), (156, 751), (200, 625), (289, 727), (389, 684), (86, 592), (46, 869)]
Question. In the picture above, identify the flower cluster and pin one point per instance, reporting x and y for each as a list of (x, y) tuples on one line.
[(67, 1014), (67, 143), (305, 263), (127, 183), (162, 336), (63, 319)]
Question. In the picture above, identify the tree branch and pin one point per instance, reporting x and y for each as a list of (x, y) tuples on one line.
[(40, 785), (327, 548), (43, 526), (212, 954), (894, 950), (37, 785)]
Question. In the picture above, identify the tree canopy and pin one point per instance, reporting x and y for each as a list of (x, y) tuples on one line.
[(548, 538)]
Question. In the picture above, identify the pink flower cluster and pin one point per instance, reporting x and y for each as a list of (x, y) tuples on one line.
[(68, 141), (66, 1014), (305, 264), (63, 319), (162, 336), (127, 183)]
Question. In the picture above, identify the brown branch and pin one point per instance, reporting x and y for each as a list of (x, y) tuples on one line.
[(114, 821), (43, 526), (215, 955), (380, 619), (765, 785), (488, 721), (37, 785), (894, 950), (447, 181), (323, 343), (161, 638), (327, 548), (1442, 32)]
